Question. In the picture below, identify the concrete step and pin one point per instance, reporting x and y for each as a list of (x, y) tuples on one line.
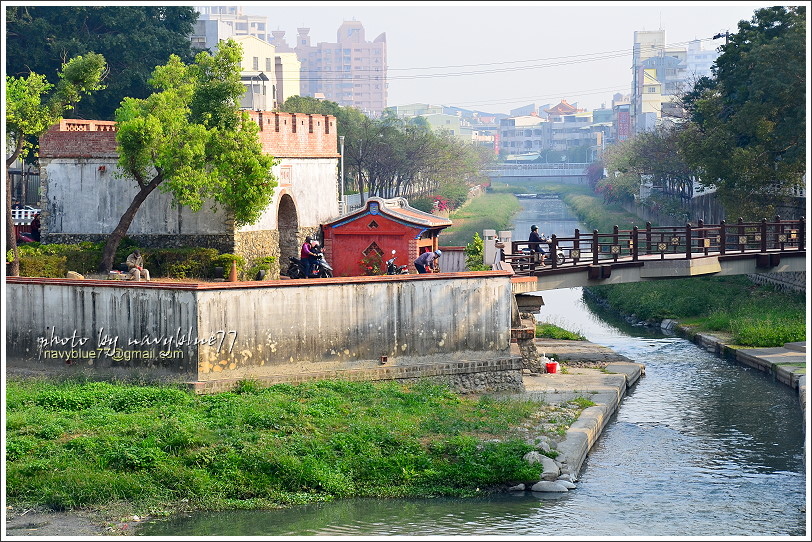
[(796, 347)]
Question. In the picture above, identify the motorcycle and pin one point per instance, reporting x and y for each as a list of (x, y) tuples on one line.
[(320, 269), (392, 269), (559, 254)]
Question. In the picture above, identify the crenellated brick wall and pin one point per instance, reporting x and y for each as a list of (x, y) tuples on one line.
[(281, 135), (297, 134), (77, 138)]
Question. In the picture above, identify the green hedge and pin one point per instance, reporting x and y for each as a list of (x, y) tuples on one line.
[(55, 260)]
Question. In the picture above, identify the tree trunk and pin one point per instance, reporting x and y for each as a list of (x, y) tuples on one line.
[(115, 238), (13, 267)]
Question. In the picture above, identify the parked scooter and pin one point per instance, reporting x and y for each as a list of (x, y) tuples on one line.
[(392, 269)]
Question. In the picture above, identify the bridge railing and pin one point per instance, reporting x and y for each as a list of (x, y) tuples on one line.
[(682, 242)]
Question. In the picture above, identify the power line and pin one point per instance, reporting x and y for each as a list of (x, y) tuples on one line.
[(380, 75)]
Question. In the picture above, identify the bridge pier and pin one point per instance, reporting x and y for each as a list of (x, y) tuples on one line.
[(523, 330)]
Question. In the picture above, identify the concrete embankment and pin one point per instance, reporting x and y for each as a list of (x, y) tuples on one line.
[(590, 371), (787, 364)]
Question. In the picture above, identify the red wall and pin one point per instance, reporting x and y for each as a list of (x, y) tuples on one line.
[(344, 244)]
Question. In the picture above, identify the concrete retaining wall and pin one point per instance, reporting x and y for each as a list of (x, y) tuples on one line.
[(216, 334)]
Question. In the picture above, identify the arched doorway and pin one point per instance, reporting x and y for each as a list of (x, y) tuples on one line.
[(288, 226)]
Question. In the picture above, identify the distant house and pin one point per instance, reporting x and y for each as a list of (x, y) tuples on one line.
[(379, 227)]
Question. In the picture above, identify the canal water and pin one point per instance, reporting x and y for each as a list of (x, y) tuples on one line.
[(700, 447)]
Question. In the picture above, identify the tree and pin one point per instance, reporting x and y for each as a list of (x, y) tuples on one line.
[(747, 129), (32, 107), (189, 139), (133, 39)]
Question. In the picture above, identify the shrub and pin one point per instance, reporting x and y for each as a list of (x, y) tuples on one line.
[(267, 264), (43, 266), (423, 204), (225, 261)]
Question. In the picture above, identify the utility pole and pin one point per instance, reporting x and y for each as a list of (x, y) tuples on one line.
[(719, 35), (342, 208)]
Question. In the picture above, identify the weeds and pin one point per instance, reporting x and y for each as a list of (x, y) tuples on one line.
[(77, 444), (552, 331)]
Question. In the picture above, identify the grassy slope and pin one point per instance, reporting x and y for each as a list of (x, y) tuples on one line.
[(157, 448)]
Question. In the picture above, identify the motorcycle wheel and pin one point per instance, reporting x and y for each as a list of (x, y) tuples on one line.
[(294, 272), (560, 259), (325, 274)]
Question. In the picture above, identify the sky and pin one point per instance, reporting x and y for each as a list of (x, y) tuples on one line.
[(498, 56)]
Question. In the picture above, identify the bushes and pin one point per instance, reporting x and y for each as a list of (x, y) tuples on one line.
[(182, 263), (55, 260)]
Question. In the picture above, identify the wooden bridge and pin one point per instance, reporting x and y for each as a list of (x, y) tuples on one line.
[(659, 252)]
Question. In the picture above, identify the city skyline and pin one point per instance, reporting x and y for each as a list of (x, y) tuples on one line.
[(497, 57)]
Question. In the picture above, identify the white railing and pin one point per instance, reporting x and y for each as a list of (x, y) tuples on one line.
[(23, 217)]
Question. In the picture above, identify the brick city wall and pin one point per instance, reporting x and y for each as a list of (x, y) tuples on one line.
[(76, 138), (297, 134), (281, 134)]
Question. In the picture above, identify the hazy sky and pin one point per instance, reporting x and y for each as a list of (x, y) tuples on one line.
[(499, 56)]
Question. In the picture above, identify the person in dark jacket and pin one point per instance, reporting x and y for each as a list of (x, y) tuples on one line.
[(535, 242)]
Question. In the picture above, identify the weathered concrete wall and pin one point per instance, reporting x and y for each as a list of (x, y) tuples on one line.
[(86, 196), (341, 324), (104, 328), (444, 325)]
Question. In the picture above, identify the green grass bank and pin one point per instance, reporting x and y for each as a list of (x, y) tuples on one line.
[(154, 450)]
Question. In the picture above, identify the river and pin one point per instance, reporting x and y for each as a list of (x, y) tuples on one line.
[(699, 447)]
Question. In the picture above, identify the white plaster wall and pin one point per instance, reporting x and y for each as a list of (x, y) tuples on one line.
[(314, 189), (81, 199)]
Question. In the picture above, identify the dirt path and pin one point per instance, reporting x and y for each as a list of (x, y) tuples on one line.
[(77, 523)]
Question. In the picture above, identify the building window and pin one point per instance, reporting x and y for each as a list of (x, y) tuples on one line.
[(256, 63), (268, 66)]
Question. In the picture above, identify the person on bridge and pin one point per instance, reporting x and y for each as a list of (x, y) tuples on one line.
[(535, 242), (425, 261)]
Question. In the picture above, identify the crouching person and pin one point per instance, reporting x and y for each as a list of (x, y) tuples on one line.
[(135, 263)]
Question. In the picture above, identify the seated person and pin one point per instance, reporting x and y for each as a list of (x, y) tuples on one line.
[(135, 263)]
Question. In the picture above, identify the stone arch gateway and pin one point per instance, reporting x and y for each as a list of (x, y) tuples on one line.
[(288, 226)]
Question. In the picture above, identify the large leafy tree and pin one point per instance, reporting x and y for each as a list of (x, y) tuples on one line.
[(32, 106), (390, 157), (189, 139), (747, 129), (133, 39)]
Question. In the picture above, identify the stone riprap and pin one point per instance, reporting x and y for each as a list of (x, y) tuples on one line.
[(605, 386)]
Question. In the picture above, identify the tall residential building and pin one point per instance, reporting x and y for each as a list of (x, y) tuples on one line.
[(660, 73), (270, 76), (350, 72), (233, 17), (700, 60)]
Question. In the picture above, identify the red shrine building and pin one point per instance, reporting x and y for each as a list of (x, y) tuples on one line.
[(370, 234)]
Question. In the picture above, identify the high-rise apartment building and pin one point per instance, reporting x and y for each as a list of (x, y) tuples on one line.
[(270, 76), (350, 72), (234, 18)]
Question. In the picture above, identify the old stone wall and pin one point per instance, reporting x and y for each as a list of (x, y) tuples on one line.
[(447, 326), (84, 195), (793, 282)]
